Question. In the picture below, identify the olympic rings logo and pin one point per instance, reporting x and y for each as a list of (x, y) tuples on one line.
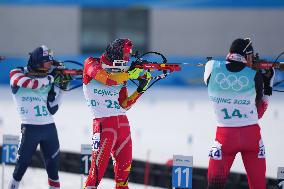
[(231, 81)]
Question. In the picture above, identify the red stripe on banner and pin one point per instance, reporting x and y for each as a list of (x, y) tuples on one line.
[(25, 84), (13, 72), (35, 85), (17, 79), (53, 183)]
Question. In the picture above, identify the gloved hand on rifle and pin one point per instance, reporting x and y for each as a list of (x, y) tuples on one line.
[(268, 77), (60, 79), (143, 83), (134, 73)]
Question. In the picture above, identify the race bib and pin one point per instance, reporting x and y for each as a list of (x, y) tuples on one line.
[(96, 141), (216, 151), (261, 153)]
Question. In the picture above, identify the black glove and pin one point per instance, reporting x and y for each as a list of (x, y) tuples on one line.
[(65, 81), (51, 94), (267, 76), (143, 83), (61, 80)]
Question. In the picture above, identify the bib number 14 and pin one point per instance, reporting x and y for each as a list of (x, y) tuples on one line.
[(236, 113)]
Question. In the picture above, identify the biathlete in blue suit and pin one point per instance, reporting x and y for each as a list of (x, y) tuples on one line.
[(37, 99)]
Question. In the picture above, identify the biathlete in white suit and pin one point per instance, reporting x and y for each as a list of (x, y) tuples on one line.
[(37, 99), (108, 100), (239, 96)]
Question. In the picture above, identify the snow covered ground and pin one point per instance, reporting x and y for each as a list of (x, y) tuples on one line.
[(37, 179), (165, 121)]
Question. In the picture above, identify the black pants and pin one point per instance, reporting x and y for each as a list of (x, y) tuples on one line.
[(32, 135)]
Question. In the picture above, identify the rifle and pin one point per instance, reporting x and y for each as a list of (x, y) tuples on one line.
[(264, 64), (259, 64), (66, 79), (148, 65), (163, 66), (70, 75)]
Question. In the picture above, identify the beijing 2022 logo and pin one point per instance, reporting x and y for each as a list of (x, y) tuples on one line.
[(231, 81)]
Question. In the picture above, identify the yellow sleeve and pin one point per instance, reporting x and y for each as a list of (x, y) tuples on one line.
[(111, 78)]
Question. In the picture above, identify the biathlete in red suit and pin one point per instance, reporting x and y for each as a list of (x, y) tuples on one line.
[(104, 88), (239, 96)]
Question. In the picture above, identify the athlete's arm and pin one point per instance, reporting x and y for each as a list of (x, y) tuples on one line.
[(207, 71), (54, 99), (19, 79), (265, 84), (261, 106), (261, 100), (93, 70), (258, 86), (125, 101)]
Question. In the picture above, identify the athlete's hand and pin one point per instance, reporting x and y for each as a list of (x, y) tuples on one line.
[(55, 75), (65, 81), (62, 80), (143, 83), (134, 73)]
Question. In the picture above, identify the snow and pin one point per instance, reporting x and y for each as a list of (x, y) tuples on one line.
[(165, 121), (67, 180)]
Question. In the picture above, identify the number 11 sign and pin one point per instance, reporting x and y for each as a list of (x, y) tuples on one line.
[(182, 171)]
